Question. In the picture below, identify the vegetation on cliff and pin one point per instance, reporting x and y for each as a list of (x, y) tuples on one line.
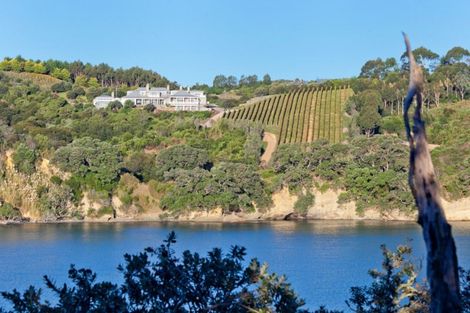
[(62, 156)]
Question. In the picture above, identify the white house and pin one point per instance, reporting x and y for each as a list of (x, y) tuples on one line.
[(161, 98)]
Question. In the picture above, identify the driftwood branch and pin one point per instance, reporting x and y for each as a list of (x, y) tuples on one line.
[(442, 266)]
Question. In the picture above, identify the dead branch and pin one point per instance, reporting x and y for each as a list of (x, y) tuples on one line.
[(442, 265)]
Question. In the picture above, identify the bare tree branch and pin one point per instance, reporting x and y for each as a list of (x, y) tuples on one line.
[(442, 265)]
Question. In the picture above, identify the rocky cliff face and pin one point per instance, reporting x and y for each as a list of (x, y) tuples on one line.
[(20, 190), (134, 200)]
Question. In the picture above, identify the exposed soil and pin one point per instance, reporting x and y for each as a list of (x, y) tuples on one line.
[(271, 141)]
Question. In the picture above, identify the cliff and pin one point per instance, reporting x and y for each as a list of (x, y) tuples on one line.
[(134, 200)]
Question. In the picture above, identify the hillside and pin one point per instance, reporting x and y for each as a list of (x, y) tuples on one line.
[(42, 80), (61, 158), (300, 116)]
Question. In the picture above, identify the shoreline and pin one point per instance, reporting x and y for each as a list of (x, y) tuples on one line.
[(205, 221)]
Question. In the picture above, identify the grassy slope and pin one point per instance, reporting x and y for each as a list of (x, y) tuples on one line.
[(42, 80)]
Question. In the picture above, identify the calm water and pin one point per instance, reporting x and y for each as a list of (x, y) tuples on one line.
[(321, 259)]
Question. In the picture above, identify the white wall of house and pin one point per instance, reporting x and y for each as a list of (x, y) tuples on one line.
[(179, 100)]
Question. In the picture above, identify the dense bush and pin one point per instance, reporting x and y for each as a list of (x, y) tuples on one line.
[(304, 202), (55, 201), (231, 186), (393, 125), (8, 212), (373, 171), (90, 158), (181, 157), (449, 129), (76, 92), (24, 159), (61, 87)]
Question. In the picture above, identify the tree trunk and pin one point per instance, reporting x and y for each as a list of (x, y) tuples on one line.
[(442, 265)]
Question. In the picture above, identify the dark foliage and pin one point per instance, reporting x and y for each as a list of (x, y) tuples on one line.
[(155, 280)]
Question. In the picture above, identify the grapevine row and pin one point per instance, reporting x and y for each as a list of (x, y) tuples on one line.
[(303, 115)]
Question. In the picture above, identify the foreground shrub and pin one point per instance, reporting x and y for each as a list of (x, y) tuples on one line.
[(157, 281)]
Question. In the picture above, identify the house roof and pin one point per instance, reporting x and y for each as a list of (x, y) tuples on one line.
[(183, 93), (134, 94), (104, 97)]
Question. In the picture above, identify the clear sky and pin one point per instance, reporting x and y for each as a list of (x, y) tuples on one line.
[(192, 41)]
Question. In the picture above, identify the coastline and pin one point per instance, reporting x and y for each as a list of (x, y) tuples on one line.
[(456, 211), (187, 221)]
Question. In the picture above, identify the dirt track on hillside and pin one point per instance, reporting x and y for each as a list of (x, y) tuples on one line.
[(271, 141), (212, 120)]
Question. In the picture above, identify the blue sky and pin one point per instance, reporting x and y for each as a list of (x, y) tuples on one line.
[(192, 41)]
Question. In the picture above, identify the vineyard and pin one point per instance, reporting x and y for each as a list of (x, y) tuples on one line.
[(303, 115)]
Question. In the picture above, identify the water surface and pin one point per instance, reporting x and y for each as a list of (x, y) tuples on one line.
[(322, 259)]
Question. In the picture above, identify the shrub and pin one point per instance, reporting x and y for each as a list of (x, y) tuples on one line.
[(181, 157), (76, 92), (55, 201), (129, 104), (304, 202), (61, 87), (89, 158), (149, 107), (24, 159), (114, 105), (105, 210), (156, 280), (8, 212), (392, 125)]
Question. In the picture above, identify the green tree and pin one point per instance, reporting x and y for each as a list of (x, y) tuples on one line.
[(182, 157), (141, 165), (220, 81), (62, 74), (9, 212), (39, 68), (5, 65), (304, 202), (29, 66), (16, 65), (423, 56), (378, 68), (232, 81), (249, 80), (456, 55), (267, 79), (93, 82), (394, 289), (462, 81), (392, 125), (24, 159), (369, 117), (129, 104), (253, 146), (90, 157), (76, 92), (55, 201), (61, 87), (81, 81), (149, 107), (114, 105)]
